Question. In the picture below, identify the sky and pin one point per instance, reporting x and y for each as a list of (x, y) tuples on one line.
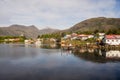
[(58, 14)]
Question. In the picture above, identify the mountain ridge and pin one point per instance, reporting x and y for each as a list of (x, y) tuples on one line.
[(99, 23), (102, 24), (28, 31)]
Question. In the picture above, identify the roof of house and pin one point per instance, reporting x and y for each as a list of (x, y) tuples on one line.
[(82, 35), (112, 36)]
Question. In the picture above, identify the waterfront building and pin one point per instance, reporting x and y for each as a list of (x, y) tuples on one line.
[(112, 39), (38, 42), (101, 35), (83, 37)]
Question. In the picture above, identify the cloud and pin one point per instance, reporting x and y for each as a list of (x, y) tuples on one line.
[(54, 13)]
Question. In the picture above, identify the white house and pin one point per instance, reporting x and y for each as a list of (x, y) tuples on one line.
[(83, 36), (90, 36), (28, 41), (38, 42), (112, 39), (67, 36), (74, 36), (101, 35)]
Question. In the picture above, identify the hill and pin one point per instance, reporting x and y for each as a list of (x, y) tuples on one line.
[(100, 24), (48, 30), (28, 31)]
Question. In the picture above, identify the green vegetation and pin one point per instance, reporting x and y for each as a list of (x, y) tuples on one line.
[(91, 40), (20, 38), (53, 35), (85, 32), (109, 31), (113, 31)]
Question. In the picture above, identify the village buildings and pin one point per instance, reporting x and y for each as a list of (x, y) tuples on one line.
[(107, 39), (74, 36)]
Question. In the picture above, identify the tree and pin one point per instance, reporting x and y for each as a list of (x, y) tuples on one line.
[(96, 31), (38, 36)]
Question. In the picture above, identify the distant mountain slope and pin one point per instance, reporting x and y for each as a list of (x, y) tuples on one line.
[(17, 30), (28, 31), (48, 30), (100, 23)]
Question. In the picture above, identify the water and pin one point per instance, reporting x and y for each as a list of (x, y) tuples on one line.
[(20, 62)]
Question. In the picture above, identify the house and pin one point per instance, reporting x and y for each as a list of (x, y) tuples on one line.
[(52, 40), (74, 36), (112, 39), (38, 42), (71, 36), (12, 40), (101, 35), (90, 36), (28, 41), (67, 36), (82, 36)]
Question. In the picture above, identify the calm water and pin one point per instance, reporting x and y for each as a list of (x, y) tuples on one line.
[(19, 62)]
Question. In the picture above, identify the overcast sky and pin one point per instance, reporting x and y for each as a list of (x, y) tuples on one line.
[(59, 14)]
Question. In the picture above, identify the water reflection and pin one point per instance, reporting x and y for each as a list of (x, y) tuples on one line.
[(20, 51), (18, 62), (45, 46), (50, 46), (98, 55), (113, 54)]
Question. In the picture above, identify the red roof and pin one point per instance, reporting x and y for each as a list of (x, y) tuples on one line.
[(82, 35), (112, 36)]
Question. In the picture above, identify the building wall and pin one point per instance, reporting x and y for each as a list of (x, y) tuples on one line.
[(113, 41), (84, 38)]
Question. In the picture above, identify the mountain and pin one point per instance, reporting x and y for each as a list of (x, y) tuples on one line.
[(100, 24), (28, 31), (17, 30), (48, 30)]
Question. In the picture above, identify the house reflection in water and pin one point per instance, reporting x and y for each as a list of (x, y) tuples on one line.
[(97, 55), (110, 53), (113, 54)]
